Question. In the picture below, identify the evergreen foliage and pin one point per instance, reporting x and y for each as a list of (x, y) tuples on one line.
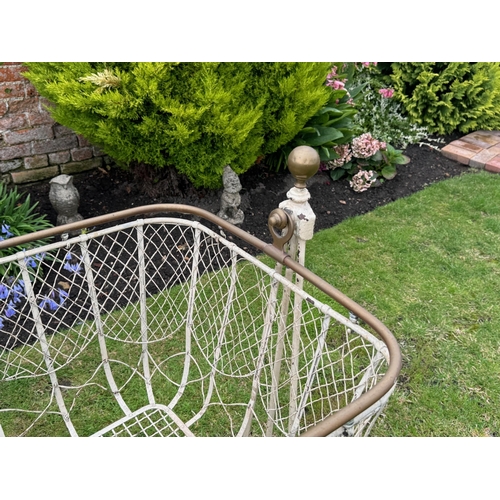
[(197, 117), (332, 125), (446, 97)]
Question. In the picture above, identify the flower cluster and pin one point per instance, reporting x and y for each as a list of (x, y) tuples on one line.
[(13, 293), (345, 155), (73, 264), (386, 93), (5, 230), (366, 146), (49, 301), (333, 81), (363, 180)]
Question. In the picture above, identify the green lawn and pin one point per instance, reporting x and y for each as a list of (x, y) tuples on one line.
[(428, 266)]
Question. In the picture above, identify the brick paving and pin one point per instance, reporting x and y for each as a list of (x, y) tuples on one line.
[(479, 149)]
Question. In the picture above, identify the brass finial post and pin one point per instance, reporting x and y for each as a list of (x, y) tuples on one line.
[(303, 163)]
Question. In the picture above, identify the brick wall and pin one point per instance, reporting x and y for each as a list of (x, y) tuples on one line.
[(33, 147)]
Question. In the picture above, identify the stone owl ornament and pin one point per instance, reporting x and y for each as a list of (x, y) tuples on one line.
[(65, 199)]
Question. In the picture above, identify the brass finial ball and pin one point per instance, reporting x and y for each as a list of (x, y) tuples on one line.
[(303, 163)]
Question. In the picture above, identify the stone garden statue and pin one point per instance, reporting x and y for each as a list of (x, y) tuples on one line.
[(231, 199), (65, 199)]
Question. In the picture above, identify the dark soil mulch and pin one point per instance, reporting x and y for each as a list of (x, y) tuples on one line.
[(104, 191)]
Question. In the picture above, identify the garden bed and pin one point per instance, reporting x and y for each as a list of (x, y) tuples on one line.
[(104, 191)]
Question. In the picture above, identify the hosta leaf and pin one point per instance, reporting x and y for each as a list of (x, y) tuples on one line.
[(327, 135)]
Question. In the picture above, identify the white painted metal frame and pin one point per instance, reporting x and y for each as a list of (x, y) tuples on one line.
[(259, 367)]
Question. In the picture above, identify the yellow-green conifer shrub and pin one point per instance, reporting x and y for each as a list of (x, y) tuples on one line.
[(197, 117), (446, 97)]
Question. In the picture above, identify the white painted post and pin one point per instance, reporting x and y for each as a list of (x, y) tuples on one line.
[(303, 163)]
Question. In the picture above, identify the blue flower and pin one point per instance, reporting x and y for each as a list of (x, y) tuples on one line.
[(62, 296), (71, 265), (30, 262), (4, 292), (1, 322), (5, 230), (20, 286), (10, 311), (49, 301), (74, 268), (18, 289), (40, 256)]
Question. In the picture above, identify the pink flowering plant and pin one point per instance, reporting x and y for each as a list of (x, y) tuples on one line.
[(363, 180), (379, 111), (365, 154), (386, 93)]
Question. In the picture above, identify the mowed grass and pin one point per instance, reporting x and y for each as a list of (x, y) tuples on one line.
[(428, 266)]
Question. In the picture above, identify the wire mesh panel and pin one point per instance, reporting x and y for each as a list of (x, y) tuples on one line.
[(163, 327)]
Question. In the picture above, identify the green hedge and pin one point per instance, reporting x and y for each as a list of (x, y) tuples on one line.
[(446, 97), (197, 117)]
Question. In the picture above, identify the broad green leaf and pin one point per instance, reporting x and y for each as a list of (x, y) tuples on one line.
[(353, 170), (337, 173), (324, 154), (389, 172), (356, 90), (327, 135), (309, 130), (336, 94), (330, 110), (403, 160), (342, 123)]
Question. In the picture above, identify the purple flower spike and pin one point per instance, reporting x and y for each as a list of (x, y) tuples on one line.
[(4, 292), (1, 322), (10, 311)]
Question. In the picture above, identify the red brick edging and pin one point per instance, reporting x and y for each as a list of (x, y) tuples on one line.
[(479, 149)]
